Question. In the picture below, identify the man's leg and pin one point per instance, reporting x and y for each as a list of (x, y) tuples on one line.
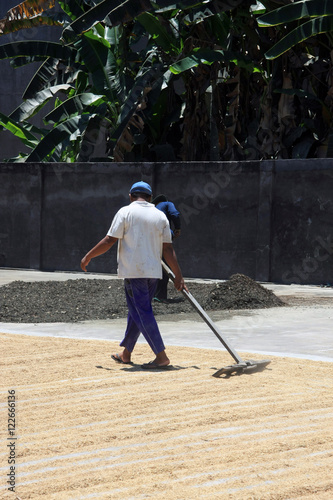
[(139, 294), (132, 334)]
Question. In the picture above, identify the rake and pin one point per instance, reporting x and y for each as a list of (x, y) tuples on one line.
[(241, 366)]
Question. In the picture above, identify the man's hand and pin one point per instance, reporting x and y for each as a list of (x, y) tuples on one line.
[(84, 262), (180, 284), (103, 246)]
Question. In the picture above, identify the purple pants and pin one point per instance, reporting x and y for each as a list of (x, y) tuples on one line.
[(139, 294)]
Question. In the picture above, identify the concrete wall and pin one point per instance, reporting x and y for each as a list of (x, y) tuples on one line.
[(269, 220)]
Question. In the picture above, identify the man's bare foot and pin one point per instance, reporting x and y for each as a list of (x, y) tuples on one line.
[(125, 357), (161, 359), (152, 365)]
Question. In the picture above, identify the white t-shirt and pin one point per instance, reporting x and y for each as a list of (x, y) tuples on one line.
[(141, 230)]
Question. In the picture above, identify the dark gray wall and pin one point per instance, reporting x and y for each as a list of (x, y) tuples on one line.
[(302, 222), (269, 220)]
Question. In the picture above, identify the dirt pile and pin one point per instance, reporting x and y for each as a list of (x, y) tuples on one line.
[(96, 299), (241, 292)]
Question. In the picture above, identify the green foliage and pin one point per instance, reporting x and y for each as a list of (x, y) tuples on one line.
[(119, 71), (20, 130), (209, 57), (166, 80), (301, 43), (321, 21)]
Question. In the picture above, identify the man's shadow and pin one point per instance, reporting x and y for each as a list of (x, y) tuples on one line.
[(138, 368)]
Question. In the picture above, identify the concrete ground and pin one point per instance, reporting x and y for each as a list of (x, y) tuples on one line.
[(300, 331)]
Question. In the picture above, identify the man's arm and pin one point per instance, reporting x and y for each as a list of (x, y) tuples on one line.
[(103, 246), (170, 258), (174, 216)]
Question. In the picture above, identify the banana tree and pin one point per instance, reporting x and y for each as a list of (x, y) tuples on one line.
[(302, 45), (147, 74)]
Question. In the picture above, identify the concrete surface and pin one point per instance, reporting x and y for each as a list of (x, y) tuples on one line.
[(303, 331)]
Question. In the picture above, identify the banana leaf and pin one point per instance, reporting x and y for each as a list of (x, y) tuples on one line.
[(207, 56), (112, 35), (122, 12), (117, 13), (301, 149), (95, 52), (131, 115), (31, 48), (20, 158), (213, 5), (31, 106), (117, 53), (48, 76), (16, 25), (158, 112), (18, 62), (161, 36), (27, 9), (295, 12), (19, 130), (74, 106), (206, 10), (57, 135), (258, 8), (219, 28), (91, 143), (299, 34), (73, 8), (145, 78)]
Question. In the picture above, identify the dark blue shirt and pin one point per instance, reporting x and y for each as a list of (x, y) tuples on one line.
[(173, 216)]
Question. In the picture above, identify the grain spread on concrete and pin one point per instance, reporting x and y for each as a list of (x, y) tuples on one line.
[(88, 427)]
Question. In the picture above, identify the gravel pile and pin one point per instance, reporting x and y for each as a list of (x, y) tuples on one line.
[(95, 299)]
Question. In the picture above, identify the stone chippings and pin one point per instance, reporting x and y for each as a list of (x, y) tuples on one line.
[(100, 299)]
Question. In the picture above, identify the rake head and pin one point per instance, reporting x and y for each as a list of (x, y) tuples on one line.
[(249, 366)]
